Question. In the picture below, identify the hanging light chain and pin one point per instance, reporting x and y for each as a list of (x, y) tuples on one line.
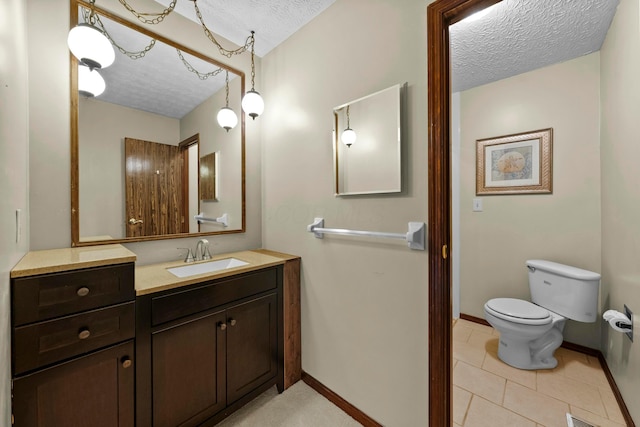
[(142, 16), (253, 65), (201, 76), (209, 34), (348, 125), (94, 20), (227, 86)]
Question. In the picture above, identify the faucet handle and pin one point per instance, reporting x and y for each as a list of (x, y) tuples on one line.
[(189, 257), (207, 254)]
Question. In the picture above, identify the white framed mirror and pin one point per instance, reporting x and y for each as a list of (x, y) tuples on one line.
[(367, 141)]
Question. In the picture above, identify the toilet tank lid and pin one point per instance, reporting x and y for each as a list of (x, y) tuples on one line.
[(563, 270)]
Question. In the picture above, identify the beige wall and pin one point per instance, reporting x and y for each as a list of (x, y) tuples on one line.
[(49, 132), (14, 173), (620, 68), (563, 226), (102, 129), (364, 300)]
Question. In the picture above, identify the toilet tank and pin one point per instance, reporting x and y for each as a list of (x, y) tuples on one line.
[(569, 291)]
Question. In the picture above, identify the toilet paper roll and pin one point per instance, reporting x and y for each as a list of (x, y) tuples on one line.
[(611, 314), (620, 324)]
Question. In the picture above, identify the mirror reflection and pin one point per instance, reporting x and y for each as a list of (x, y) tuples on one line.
[(367, 144), (150, 152)]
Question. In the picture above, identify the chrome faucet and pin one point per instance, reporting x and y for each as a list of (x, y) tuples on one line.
[(202, 250)]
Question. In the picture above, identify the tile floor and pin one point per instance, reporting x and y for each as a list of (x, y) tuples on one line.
[(488, 392)]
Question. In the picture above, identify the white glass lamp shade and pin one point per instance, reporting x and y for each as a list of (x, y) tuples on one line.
[(90, 46), (348, 137), (90, 82), (252, 104), (227, 118)]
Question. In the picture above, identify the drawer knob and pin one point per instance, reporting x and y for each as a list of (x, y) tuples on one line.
[(222, 326), (84, 334), (83, 291), (126, 362), (232, 322)]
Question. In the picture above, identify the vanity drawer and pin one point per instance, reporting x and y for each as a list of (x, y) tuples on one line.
[(37, 298), (183, 303), (43, 343)]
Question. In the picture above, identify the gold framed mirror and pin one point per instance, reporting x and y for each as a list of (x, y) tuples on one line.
[(136, 149)]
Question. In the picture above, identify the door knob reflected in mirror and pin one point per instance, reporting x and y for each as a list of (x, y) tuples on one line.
[(134, 221)]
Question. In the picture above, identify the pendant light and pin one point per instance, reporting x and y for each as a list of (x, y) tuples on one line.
[(90, 82), (90, 45), (252, 102), (348, 136), (227, 118)]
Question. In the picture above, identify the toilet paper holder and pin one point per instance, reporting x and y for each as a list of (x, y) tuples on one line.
[(620, 322)]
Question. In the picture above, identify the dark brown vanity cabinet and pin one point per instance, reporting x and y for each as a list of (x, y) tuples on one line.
[(206, 349), (73, 348)]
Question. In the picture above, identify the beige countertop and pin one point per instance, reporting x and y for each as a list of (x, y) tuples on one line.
[(148, 278), (66, 259), (155, 277)]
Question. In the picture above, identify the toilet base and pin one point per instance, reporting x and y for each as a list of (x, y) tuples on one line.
[(537, 354)]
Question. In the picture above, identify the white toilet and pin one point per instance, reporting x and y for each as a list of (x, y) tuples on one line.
[(530, 332)]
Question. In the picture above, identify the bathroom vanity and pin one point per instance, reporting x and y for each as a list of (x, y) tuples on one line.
[(99, 341)]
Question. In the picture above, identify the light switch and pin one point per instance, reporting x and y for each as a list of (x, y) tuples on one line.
[(477, 204)]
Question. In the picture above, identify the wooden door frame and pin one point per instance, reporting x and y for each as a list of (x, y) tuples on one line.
[(440, 15), (184, 149)]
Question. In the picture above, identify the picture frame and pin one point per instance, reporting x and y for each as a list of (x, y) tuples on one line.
[(515, 164)]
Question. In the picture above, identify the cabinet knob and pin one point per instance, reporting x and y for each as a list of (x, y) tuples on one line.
[(232, 322), (84, 334), (126, 362), (83, 291), (222, 326)]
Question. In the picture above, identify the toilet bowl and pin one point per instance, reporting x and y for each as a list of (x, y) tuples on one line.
[(531, 332)]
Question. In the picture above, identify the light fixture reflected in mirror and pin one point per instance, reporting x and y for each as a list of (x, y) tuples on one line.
[(90, 82), (93, 48), (227, 118), (348, 136)]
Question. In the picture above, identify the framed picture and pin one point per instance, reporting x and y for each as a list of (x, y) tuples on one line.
[(515, 164)]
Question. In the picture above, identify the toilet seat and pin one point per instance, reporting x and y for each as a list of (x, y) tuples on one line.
[(518, 311)]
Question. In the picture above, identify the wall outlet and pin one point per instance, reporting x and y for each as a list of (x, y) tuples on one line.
[(629, 314)]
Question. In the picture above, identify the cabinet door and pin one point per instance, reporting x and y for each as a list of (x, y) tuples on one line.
[(188, 371), (94, 390), (252, 345)]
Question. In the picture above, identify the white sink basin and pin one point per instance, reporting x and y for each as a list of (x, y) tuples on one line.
[(206, 267)]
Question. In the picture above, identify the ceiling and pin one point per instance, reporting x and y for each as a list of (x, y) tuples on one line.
[(272, 20), (516, 36)]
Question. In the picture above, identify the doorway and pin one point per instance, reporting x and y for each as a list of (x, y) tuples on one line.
[(440, 15)]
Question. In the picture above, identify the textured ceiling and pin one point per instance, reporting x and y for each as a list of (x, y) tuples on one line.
[(517, 36), (159, 82), (272, 20)]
